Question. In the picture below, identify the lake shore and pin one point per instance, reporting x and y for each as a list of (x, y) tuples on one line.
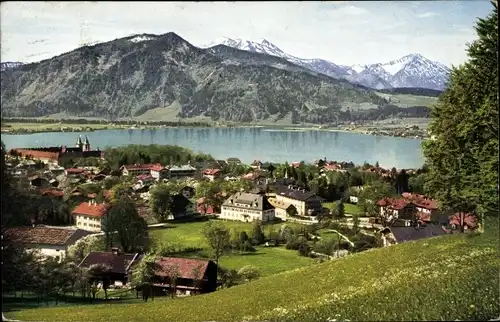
[(377, 129)]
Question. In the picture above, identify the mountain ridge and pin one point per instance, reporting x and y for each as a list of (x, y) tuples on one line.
[(413, 70), (130, 76)]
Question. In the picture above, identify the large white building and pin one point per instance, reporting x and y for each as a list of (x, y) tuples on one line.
[(247, 207), (49, 241), (89, 215)]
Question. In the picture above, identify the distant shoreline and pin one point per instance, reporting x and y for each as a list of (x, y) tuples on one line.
[(23, 128)]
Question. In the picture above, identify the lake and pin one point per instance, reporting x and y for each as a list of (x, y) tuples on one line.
[(249, 144)]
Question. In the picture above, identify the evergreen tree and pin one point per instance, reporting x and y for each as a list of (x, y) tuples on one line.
[(463, 159)]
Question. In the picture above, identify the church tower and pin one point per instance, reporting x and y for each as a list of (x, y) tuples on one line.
[(86, 146), (79, 143)]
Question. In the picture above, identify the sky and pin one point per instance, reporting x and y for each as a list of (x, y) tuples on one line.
[(344, 32)]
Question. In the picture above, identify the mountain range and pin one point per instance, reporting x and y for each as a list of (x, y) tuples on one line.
[(412, 70), (157, 77)]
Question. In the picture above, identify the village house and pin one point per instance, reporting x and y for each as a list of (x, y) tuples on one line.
[(404, 231), (194, 276), (211, 174), (205, 208), (49, 241), (120, 264), (394, 208), (89, 215), (247, 207), (38, 182), (425, 207), (181, 207), (139, 169), (182, 171), (304, 203), (158, 172)]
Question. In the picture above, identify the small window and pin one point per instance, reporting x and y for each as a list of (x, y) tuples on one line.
[(57, 250)]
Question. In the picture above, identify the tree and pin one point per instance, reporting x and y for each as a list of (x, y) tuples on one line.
[(258, 236), (340, 213), (369, 196), (228, 277), (249, 273), (218, 239), (124, 221), (98, 277), (144, 273), (173, 274), (463, 157), (197, 274), (160, 202)]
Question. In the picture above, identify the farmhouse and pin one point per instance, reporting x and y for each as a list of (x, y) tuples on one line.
[(211, 174), (194, 276), (89, 215), (50, 241), (247, 207), (120, 264)]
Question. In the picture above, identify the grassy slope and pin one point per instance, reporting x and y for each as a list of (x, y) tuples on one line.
[(269, 260), (444, 278)]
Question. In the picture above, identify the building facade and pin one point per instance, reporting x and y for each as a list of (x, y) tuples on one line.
[(247, 207), (89, 216)]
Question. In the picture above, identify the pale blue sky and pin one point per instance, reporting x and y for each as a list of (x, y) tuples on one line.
[(345, 32)]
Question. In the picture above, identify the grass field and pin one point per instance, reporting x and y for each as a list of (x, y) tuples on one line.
[(453, 277), (404, 100), (54, 127), (269, 260), (349, 209)]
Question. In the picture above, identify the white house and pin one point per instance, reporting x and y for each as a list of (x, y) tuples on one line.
[(247, 207), (89, 215), (49, 241)]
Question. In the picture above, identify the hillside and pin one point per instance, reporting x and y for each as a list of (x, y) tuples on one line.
[(130, 76), (443, 278)]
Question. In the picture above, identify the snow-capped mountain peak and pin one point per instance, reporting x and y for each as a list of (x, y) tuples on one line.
[(9, 65), (413, 70)]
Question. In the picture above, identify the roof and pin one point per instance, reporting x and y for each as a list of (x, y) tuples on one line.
[(44, 235), (74, 170), (211, 172), (296, 194), (462, 218), (38, 154), (147, 166), (185, 266), (119, 263), (404, 234), (52, 192), (421, 201), (89, 209), (186, 167), (244, 199), (393, 203)]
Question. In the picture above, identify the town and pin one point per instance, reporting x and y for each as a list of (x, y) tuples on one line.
[(128, 225)]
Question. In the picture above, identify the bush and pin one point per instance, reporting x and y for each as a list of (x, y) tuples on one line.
[(249, 273)]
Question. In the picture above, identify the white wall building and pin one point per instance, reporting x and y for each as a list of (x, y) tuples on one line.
[(48, 240), (247, 207), (88, 216)]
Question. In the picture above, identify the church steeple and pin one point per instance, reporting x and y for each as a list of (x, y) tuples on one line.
[(86, 146), (79, 143)]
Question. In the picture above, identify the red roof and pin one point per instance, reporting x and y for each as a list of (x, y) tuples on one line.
[(462, 218), (74, 170), (186, 266), (421, 201), (211, 172), (148, 166), (157, 167), (38, 154), (88, 209), (393, 203), (52, 192)]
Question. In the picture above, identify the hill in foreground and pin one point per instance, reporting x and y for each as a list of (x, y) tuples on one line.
[(443, 278), (129, 76)]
